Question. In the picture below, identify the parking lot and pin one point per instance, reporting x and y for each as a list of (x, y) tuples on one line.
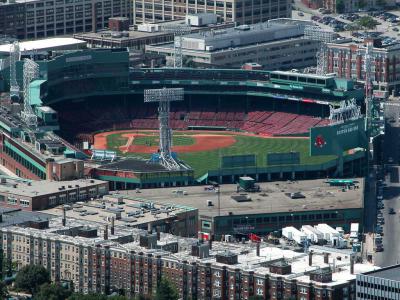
[(388, 28)]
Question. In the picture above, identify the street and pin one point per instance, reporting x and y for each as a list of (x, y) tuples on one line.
[(391, 194)]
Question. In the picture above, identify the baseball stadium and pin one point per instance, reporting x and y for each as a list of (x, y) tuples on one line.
[(229, 123)]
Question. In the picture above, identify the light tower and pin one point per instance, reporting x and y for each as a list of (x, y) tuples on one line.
[(31, 72), (324, 36), (164, 97), (15, 55), (368, 84), (179, 30)]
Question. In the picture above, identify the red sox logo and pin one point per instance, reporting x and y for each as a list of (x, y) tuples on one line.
[(319, 141)]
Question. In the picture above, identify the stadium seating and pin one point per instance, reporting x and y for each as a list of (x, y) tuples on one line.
[(259, 120)]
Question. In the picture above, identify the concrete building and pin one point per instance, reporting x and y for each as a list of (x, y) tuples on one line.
[(272, 45), (228, 214), (116, 258), (34, 19), (238, 11), (137, 39), (133, 212), (40, 195), (346, 60), (381, 284)]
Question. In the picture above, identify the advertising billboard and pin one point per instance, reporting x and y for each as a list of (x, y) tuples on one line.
[(335, 139)]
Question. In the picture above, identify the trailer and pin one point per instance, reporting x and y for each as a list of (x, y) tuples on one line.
[(328, 232), (354, 230), (313, 234), (293, 234)]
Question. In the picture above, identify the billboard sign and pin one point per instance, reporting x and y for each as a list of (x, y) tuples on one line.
[(289, 158), (337, 138)]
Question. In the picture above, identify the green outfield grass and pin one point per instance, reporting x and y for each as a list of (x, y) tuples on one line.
[(203, 161), (177, 140)]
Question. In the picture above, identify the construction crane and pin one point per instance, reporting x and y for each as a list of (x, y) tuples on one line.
[(15, 55)]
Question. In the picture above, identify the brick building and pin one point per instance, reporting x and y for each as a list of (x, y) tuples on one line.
[(346, 60), (133, 260)]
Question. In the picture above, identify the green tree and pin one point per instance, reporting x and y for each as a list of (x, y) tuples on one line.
[(3, 290), (52, 291), (340, 6), (31, 277), (256, 298), (93, 296), (166, 290), (367, 22)]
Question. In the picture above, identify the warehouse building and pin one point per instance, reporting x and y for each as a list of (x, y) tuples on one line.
[(272, 45), (277, 205), (39, 195)]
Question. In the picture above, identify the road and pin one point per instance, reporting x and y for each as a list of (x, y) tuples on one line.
[(391, 228)]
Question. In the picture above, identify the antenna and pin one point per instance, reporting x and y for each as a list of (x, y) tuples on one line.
[(164, 97), (179, 30)]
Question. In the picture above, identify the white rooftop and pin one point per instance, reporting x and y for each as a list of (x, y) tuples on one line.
[(45, 44)]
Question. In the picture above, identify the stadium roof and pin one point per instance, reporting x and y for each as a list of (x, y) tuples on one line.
[(46, 44)]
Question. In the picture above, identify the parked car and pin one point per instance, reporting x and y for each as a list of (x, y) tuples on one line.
[(300, 14), (392, 211)]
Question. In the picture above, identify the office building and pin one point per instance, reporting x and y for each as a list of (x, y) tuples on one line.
[(383, 284), (34, 19), (238, 11), (272, 45)]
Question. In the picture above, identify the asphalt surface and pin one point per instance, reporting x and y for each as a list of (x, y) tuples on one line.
[(391, 228)]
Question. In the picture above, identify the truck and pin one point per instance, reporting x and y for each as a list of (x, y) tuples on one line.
[(293, 234), (247, 184)]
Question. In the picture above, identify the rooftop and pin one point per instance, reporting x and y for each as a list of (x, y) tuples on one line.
[(125, 239), (39, 188), (273, 198), (12, 216), (133, 212), (45, 44), (390, 273)]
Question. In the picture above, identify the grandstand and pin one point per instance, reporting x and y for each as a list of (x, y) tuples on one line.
[(95, 90)]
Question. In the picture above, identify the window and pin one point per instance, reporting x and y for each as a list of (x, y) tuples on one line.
[(24, 202)]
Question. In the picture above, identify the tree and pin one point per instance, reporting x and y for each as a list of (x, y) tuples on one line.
[(52, 291), (93, 296), (166, 290), (367, 22), (340, 6), (3, 290), (256, 298), (31, 277)]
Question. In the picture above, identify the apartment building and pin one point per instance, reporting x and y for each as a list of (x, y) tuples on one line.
[(239, 11), (103, 261), (32, 19), (347, 60)]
